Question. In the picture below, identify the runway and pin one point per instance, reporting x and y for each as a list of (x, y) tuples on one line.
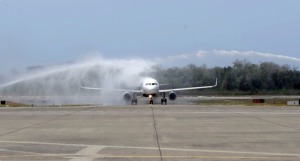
[(142, 132)]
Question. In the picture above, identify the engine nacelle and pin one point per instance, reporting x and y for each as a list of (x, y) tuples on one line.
[(127, 96), (172, 96)]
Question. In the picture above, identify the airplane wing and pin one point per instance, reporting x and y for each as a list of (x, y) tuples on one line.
[(190, 88), (107, 89), (164, 84)]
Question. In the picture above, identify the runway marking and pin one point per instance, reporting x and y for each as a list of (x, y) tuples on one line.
[(134, 156), (17, 151), (156, 148), (235, 112), (90, 150), (86, 152)]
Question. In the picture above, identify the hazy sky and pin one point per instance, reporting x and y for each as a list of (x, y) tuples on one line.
[(170, 32)]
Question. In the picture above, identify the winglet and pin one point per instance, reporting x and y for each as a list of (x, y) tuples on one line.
[(216, 82)]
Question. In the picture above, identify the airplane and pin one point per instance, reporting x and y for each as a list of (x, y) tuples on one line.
[(150, 88)]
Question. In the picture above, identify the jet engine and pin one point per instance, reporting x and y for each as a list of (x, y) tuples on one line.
[(127, 96), (172, 96)]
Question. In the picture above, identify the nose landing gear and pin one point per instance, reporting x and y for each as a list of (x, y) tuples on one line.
[(151, 100)]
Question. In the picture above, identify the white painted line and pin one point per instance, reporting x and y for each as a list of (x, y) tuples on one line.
[(231, 152), (86, 152), (17, 151), (156, 148), (90, 150)]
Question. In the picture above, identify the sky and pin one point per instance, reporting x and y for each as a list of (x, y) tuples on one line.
[(170, 32)]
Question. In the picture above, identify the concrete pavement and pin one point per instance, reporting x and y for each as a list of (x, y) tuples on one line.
[(171, 132)]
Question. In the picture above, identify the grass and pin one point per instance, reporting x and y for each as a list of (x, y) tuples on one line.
[(13, 104), (245, 102)]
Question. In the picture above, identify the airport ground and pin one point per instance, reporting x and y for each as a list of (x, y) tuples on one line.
[(141, 132), (17, 101)]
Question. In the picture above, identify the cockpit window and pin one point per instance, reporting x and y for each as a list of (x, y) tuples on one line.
[(149, 84)]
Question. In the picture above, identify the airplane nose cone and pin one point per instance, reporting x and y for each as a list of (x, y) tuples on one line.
[(151, 90)]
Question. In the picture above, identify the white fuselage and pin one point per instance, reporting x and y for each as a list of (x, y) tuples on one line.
[(150, 87)]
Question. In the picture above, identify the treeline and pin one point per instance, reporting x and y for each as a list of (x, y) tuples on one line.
[(242, 78)]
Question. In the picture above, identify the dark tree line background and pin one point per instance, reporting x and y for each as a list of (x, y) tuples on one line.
[(242, 78)]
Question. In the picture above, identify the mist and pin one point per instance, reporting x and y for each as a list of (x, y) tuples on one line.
[(60, 84), (224, 58)]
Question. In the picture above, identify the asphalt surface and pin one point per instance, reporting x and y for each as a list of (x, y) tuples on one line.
[(142, 132), (117, 99)]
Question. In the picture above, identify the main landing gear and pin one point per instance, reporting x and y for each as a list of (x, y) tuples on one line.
[(134, 99), (163, 99)]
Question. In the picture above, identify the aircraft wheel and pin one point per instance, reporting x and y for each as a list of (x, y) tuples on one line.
[(165, 101), (134, 101)]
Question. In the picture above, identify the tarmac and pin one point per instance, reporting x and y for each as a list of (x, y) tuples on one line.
[(144, 132)]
